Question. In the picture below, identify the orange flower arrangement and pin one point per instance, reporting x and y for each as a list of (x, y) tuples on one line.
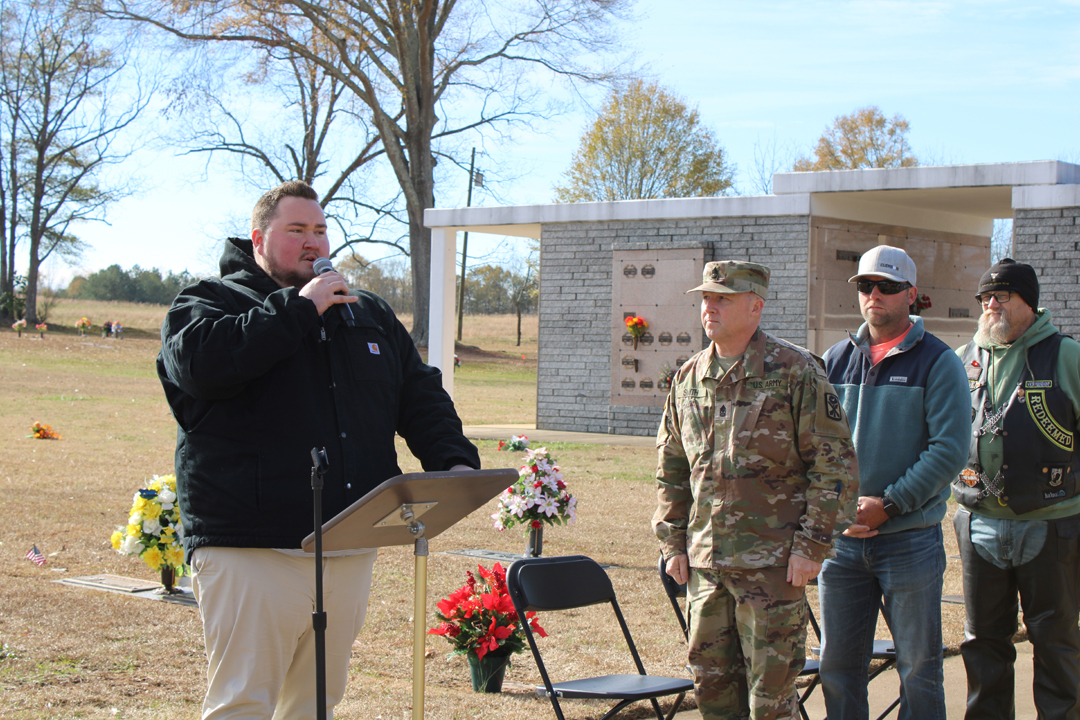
[(636, 327), (43, 432)]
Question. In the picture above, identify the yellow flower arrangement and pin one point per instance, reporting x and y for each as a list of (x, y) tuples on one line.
[(154, 531)]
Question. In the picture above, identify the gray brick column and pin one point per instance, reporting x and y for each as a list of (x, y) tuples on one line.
[(1049, 240)]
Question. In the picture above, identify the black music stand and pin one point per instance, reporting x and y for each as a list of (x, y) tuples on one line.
[(390, 515)]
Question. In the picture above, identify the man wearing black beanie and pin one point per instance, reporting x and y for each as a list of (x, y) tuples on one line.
[(1018, 526)]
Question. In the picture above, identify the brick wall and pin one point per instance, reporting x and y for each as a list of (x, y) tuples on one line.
[(1049, 240), (573, 385)]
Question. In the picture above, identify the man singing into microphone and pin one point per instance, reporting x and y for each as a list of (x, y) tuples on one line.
[(259, 367)]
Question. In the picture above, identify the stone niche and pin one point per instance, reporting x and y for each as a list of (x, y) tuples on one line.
[(652, 284), (948, 266)]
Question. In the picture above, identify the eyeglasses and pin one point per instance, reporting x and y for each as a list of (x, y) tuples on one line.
[(887, 287), (1002, 296)]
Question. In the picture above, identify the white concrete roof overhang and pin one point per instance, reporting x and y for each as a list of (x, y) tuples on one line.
[(525, 220), (959, 197)]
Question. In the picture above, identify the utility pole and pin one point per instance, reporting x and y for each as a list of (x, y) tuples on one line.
[(476, 179)]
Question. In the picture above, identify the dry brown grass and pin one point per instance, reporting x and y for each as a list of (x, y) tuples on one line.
[(81, 653), (133, 316), (496, 333)]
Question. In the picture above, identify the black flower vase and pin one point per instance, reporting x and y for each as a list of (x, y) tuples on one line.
[(488, 672), (168, 578), (535, 546)]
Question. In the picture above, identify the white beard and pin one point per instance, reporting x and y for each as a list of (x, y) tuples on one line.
[(998, 331)]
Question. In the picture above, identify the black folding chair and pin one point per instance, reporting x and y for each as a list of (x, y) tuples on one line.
[(564, 583), (676, 591)]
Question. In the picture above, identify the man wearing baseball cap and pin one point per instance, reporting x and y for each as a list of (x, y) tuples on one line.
[(1018, 526), (906, 396), (752, 489)]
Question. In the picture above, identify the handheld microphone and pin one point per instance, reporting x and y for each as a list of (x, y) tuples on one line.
[(323, 265)]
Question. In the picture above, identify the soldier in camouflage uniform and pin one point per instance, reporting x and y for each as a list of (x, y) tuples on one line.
[(757, 474)]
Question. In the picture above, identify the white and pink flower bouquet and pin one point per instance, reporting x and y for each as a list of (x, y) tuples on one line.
[(539, 497)]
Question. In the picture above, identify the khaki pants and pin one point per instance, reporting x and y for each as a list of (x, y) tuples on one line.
[(256, 607), (747, 642)]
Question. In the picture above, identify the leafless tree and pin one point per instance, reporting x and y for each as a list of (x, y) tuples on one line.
[(1001, 241), (64, 110), (769, 158), (304, 126), (525, 287), (407, 62)]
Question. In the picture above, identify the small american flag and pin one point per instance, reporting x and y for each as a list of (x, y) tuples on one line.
[(34, 555)]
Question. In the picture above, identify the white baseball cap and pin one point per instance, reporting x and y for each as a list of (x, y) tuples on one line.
[(888, 262)]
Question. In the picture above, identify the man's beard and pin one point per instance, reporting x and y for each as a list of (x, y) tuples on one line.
[(289, 277), (997, 330)]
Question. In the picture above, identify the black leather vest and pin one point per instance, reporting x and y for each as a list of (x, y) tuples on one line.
[(1040, 465)]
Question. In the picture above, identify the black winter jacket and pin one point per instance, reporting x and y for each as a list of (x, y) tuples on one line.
[(256, 379)]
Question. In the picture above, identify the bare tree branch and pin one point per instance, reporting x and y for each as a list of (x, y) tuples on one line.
[(401, 60)]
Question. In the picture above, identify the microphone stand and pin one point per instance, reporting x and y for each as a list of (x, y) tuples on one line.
[(319, 466)]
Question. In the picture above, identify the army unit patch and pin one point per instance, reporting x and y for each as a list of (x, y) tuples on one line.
[(832, 406)]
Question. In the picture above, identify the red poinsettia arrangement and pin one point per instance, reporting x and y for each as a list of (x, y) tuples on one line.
[(480, 617)]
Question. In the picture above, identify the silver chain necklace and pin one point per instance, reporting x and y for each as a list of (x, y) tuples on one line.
[(991, 423)]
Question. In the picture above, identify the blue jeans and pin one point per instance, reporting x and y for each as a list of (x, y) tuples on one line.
[(903, 573)]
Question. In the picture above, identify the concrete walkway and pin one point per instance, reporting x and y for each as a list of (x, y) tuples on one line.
[(886, 688), (503, 432)]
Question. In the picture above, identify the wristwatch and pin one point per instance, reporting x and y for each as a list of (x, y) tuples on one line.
[(891, 508)]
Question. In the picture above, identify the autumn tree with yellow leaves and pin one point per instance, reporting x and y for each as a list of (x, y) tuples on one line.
[(646, 143), (863, 139)]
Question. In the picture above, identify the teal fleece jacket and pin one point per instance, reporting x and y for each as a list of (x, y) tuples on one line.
[(910, 417), (1006, 364)]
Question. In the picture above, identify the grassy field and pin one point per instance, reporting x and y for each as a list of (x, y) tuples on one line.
[(493, 333), (74, 653)]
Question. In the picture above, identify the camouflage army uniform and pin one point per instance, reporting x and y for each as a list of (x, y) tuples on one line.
[(753, 465)]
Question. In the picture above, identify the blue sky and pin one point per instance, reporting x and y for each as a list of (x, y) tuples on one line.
[(986, 81)]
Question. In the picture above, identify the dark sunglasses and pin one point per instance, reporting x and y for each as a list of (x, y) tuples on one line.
[(887, 287)]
